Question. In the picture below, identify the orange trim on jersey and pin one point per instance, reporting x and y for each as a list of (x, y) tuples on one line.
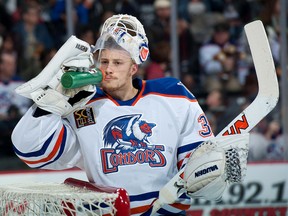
[(179, 164), (180, 206), (142, 209), (113, 100), (95, 99), (116, 103), (139, 209), (104, 97), (140, 93), (52, 153)]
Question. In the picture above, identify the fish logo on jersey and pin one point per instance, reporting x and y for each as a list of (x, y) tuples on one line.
[(126, 142)]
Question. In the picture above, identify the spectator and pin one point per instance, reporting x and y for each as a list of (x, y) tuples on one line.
[(215, 106), (87, 34), (5, 19), (258, 147), (159, 66), (267, 142), (105, 15), (233, 106), (200, 20), (270, 16), (218, 60), (9, 44), (48, 56), (127, 7), (159, 29), (146, 11), (57, 24), (82, 9), (188, 80), (34, 39), (276, 149), (188, 49), (9, 81), (12, 105)]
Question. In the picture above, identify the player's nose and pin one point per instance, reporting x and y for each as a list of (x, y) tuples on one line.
[(109, 69)]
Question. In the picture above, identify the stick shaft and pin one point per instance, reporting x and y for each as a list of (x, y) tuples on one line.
[(265, 101)]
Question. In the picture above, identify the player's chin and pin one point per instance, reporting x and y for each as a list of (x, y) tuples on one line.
[(107, 83), (108, 87)]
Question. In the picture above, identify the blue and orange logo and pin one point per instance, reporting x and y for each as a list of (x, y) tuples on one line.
[(126, 141)]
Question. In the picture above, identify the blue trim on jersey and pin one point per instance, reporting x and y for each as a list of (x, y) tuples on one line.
[(35, 153), (163, 86), (184, 196), (62, 147), (128, 102), (153, 195), (99, 93), (44, 148), (167, 86), (162, 211), (146, 196), (188, 147), (147, 213)]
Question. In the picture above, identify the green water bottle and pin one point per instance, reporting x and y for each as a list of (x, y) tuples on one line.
[(74, 79)]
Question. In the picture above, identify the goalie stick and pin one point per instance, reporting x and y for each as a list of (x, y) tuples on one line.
[(265, 101)]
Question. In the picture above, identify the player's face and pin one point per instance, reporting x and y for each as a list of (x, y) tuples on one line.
[(119, 70)]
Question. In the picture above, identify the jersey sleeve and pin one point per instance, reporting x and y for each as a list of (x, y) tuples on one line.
[(195, 129), (45, 142), (188, 114)]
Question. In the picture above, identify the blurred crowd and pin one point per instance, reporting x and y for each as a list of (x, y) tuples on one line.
[(214, 57)]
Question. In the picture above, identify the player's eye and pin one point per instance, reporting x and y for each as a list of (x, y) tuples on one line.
[(117, 63), (104, 62)]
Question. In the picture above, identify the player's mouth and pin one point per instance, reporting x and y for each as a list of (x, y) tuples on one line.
[(108, 78)]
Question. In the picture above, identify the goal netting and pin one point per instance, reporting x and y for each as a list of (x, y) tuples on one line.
[(72, 198)]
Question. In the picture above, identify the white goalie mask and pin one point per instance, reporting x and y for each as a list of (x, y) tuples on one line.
[(126, 32)]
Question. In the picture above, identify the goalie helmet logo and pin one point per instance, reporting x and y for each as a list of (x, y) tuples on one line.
[(144, 52)]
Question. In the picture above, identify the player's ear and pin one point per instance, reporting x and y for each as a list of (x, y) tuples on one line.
[(134, 68)]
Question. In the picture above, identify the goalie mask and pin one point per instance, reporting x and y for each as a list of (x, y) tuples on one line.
[(124, 32)]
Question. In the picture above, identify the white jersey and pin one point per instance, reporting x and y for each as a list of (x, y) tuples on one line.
[(138, 144)]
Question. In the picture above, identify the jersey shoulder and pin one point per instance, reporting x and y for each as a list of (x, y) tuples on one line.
[(167, 86), (98, 95)]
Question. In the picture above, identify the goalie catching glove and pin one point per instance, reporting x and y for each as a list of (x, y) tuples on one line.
[(215, 163), (46, 89)]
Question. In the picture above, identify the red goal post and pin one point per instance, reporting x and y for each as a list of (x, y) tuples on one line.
[(72, 198)]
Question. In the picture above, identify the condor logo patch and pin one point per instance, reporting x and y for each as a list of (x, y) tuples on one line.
[(84, 117)]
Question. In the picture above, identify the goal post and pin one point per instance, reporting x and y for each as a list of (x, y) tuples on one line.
[(72, 198), (121, 203)]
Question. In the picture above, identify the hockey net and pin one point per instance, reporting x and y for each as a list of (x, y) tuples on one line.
[(72, 198)]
